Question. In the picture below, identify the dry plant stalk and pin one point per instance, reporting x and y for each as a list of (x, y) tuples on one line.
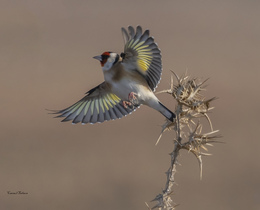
[(190, 109)]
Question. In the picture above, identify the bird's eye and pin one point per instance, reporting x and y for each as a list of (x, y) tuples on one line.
[(122, 55), (104, 57)]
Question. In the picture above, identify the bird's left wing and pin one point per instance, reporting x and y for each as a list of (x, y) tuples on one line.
[(143, 54), (99, 105)]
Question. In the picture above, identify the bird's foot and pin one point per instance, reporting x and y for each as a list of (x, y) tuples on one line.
[(132, 97)]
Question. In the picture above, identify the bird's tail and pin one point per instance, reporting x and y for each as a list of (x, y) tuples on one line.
[(167, 113)]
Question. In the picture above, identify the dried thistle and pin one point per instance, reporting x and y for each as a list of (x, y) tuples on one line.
[(190, 110)]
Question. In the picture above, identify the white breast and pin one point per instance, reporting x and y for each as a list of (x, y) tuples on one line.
[(125, 86), (129, 81)]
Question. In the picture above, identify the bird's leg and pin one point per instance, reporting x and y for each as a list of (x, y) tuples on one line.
[(132, 96)]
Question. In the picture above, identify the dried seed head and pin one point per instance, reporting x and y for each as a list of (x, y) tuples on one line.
[(191, 108)]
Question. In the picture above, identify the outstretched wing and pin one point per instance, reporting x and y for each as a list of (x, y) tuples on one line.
[(143, 54), (99, 105)]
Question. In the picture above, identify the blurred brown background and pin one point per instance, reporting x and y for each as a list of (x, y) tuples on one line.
[(46, 50)]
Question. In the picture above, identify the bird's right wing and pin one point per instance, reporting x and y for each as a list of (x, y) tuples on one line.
[(143, 54), (99, 105)]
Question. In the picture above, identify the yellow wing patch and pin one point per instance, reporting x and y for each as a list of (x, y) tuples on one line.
[(142, 64)]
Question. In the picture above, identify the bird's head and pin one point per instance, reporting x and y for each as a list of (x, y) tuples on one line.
[(107, 60)]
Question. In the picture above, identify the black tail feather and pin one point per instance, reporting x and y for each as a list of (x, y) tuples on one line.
[(172, 115)]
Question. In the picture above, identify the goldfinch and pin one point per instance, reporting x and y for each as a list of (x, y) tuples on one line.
[(130, 81)]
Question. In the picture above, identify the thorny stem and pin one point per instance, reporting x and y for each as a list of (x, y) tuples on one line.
[(191, 107), (178, 113)]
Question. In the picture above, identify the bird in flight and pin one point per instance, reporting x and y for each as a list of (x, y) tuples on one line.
[(130, 81)]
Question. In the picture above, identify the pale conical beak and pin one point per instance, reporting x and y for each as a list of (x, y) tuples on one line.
[(98, 57)]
